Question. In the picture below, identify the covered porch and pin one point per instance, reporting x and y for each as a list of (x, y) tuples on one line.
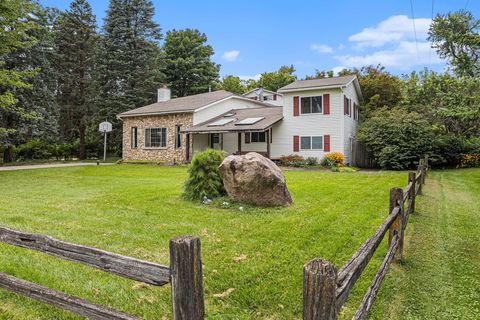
[(238, 131)]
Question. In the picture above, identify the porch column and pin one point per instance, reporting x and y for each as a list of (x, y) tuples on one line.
[(221, 141), (187, 147), (239, 143), (267, 137)]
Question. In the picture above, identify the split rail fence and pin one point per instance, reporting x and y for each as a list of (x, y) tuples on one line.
[(324, 289)]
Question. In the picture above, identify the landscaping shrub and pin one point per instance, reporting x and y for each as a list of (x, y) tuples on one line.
[(470, 160), (204, 178), (397, 138), (311, 161), (333, 159), (288, 160), (34, 150)]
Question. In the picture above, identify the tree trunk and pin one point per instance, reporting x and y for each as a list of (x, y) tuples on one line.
[(8, 154), (82, 152)]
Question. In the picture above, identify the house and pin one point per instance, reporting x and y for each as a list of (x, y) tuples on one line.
[(307, 117)]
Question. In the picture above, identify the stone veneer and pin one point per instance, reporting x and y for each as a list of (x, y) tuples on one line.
[(170, 153)]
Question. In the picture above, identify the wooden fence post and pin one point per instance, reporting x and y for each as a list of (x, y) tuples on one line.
[(319, 290), (187, 280), (420, 170), (396, 200), (411, 193)]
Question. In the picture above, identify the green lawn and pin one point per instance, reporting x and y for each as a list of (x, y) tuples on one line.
[(135, 209)]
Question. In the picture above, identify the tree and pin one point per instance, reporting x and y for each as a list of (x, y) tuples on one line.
[(277, 79), (397, 138), (456, 37), (16, 24), (320, 74), (128, 72), (452, 103), (76, 40), (233, 84), (188, 66)]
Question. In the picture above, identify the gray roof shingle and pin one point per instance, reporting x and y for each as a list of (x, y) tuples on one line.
[(316, 83), (271, 115), (183, 104)]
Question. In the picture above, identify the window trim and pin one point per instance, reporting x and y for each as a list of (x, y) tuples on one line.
[(178, 137), (311, 143), (349, 104), (145, 138), (133, 142), (310, 113)]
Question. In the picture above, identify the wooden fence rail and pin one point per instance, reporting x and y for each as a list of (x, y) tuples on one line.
[(325, 290), (184, 273)]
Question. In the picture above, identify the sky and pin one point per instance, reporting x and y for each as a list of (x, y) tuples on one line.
[(250, 37)]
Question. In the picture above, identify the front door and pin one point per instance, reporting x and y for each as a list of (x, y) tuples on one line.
[(216, 141)]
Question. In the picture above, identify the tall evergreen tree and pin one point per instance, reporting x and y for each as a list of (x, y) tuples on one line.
[(15, 25), (76, 39), (128, 72), (188, 66)]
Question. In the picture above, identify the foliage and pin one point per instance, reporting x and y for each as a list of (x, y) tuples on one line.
[(397, 138), (204, 178), (188, 65), (311, 161), (34, 150), (451, 102), (470, 160), (16, 25), (275, 80), (335, 158), (233, 84), (128, 72), (327, 162), (456, 36), (288, 160), (320, 74), (76, 40)]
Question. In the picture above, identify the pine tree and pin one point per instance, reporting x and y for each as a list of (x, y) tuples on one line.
[(15, 27), (76, 40), (188, 66), (128, 67)]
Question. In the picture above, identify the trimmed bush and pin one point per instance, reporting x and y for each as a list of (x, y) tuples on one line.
[(204, 178), (333, 159), (287, 161), (312, 161), (34, 150)]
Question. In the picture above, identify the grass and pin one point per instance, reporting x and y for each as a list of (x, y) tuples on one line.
[(439, 277), (135, 209)]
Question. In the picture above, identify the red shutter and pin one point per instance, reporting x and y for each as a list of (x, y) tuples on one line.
[(326, 143), (350, 108), (326, 103), (247, 137), (274, 97), (296, 142), (296, 106), (345, 104)]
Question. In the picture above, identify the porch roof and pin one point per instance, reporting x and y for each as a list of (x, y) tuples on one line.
[(269, 116)]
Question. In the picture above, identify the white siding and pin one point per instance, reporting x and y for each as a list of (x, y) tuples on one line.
[(350, 125), (217, 109), (309, 125)]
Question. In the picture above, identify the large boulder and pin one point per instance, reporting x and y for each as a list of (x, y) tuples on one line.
[(254, 179)]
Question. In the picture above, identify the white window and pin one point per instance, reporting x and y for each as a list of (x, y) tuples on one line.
[(258, 137), (311, 142), (311, 104), (134, 137), (156, 138)]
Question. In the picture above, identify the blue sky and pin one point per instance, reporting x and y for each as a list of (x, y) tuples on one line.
[(250, 37)]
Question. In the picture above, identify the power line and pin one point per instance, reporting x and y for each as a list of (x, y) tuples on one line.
[(414, 28)]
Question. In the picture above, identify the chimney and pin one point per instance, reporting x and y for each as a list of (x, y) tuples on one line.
[(163, 94)]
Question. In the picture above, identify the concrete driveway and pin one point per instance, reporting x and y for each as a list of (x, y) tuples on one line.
[(51, 165)]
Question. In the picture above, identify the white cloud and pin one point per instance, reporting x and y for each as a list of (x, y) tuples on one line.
[(254, 77), (403, 56), (393, 29), (321, 48), (341, 46), (336, 70), (230, 55)]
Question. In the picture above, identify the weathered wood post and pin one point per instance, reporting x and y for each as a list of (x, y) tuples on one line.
[(420, 170), (396, 200), (186, 277), (319, 290), (411, 193)]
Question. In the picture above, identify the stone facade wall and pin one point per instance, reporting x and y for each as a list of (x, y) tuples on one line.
[(169, 153)]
